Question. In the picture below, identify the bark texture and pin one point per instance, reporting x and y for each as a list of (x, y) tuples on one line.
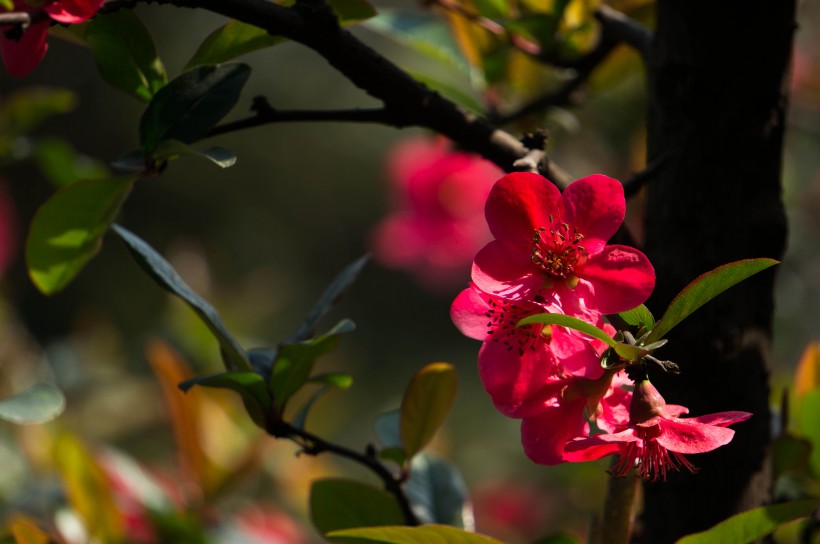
[(717, 80)]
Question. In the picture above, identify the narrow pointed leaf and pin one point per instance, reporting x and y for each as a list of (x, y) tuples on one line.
[(67, 230), (37, 404), (341, 504), (703, 289), (426, 534), (330, 298), (125, 53), (425, 405), (172, 149), (632, 353), (164, 274), (189, 106), (639, 317), (753, 524), (231, 40)]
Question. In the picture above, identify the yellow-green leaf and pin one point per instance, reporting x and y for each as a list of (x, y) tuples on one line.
[(426, 534), (425, 405)]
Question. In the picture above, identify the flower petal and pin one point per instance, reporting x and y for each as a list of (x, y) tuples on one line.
[(621, 278), (595, 206), (72, 11), (722, 419), (505, 273), (595, 447), (23, 55), (686, 436), (519, 203), (519, 384), (468, 314), (577, 353), (545, 436)]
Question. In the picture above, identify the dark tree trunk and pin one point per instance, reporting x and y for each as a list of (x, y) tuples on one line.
[(717, 109)]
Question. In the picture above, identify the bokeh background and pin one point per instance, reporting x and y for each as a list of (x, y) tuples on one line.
[(262, 239)]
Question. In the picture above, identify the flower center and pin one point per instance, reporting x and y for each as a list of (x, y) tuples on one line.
[(503, 315), (558, 250), (650, 459)]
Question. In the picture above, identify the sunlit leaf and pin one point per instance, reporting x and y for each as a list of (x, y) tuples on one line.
[(426, 534), (164, 274), (67, 230), (639, 317), (438, 493), (250, 386), (231, 40), (37, 404), (425, 405), (754, 524), (632, 353), (189, 106), (88, 490), (171, 149), (808, 418), (63, 165), (703, 289), (340, 504), (352, 11), (340, 285), (807, 374), (125, 54)]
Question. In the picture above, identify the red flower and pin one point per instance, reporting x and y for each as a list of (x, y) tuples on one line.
[(655, 439), (438, 223), (22, 53), (553, 245)]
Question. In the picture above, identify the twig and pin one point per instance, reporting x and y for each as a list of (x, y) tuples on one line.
[(314, 445), (623, 29), (638, 180)]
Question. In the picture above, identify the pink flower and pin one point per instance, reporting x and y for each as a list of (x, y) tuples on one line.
[(437, 225), (8, 230), (553, 246), (564, 414), (655, 439), (22, 53)]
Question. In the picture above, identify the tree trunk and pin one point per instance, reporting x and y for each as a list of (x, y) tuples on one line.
[(717, 79)]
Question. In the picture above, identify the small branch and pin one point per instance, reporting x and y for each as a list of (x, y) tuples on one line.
[(619, 511), (21, 18), (623, 29), (637, 181), (314, 445), (265, 114)]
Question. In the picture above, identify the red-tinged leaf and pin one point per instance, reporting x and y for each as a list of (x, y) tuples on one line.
[(425, 405), (25, 531), (426, 534), (703, 289), (753, 524), (340, 504)]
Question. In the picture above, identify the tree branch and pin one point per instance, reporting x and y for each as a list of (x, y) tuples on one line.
[(314, 445), (623, 29)]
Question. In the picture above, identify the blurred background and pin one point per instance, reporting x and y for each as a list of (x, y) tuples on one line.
[(262, 239)]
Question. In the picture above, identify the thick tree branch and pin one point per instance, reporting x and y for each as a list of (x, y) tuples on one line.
[(621, 28)]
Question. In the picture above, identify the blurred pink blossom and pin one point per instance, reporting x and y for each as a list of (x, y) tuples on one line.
[(8, 230), (437, 221)]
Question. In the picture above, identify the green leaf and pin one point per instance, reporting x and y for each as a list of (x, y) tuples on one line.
[(808, 418), (753, 524), (790, 453), (250, 386), (171, 149), (559, 538), (24, 110), (164, 274), (389, 437), (340, 504), (437, 492), (294, 363), (125, 53), (37, 404), (328, 381), (63, 165), (352, 11), (189, 106), (632, 353), (425, 405), (426, 534), (67, 230), (639, 317), (703, 289), (340, 285), (231, 40)]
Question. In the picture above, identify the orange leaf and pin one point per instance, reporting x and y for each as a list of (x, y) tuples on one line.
[(807, 375)]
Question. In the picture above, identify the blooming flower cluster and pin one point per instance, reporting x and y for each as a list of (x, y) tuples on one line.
[(22, 49), (550, 255), (437, 223)]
